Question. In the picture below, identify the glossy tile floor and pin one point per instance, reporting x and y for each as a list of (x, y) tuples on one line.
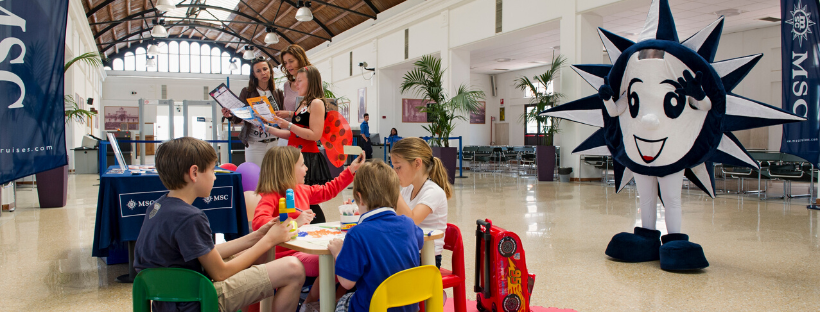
[(764, 255)]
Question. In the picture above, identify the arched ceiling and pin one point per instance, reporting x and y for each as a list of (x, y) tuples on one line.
[(116, 24)]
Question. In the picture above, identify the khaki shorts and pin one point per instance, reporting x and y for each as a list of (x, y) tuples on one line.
[(247, 287)]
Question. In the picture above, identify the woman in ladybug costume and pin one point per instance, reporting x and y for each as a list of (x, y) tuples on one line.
[(305, 128)]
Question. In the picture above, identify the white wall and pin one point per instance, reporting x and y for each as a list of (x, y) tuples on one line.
[(763, 83), (80, 80)]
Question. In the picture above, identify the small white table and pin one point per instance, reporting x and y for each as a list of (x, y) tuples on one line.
[(327, 270)]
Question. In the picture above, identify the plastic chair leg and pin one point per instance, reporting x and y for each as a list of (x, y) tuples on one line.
[(460, 298)]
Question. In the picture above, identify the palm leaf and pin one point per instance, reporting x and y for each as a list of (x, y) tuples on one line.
[(91, 58)]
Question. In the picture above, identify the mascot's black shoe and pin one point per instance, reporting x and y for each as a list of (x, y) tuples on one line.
[(678, 253), (639, 247)]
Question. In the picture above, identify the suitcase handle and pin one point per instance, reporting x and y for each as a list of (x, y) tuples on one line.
[(487, 238)]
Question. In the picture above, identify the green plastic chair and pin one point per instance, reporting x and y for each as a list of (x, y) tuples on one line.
[(173, 285)]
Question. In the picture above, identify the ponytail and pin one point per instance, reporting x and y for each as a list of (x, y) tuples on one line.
[(439, 175), (415, 148)]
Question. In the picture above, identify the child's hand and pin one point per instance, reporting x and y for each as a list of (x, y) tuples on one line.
[(348, 202), (279, 233), (265, 228), (305, 218), (335, 246), (354, 166)]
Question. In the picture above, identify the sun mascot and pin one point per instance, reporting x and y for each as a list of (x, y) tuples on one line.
[(666, 112)]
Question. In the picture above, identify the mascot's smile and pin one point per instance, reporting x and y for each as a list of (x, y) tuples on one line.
[(649, 149)]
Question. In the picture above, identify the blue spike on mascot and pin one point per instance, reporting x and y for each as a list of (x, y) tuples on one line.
[(666, 111)]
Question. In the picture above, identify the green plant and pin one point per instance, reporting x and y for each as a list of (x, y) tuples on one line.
[(425, 80), (543, 100), (75, 113)]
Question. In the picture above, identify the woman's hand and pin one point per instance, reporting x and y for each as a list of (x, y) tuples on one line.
[(284, 114), (226, 113), (354, 166), (305, 218)]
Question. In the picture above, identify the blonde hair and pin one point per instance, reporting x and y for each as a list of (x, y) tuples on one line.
[(377, 184), (278, 166), (411, 149), (175, 158)]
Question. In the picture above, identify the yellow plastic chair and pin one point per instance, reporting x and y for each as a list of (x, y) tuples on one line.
[(408, 287)]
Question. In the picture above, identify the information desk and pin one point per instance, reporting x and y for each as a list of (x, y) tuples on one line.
[(123, 199)]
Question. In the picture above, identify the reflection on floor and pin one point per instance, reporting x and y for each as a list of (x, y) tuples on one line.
[(763, 254)]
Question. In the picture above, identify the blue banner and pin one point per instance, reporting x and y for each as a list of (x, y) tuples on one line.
[(136, 204), (32, 111), (801, 77)]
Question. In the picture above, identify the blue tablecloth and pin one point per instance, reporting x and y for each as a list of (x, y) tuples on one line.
[(123, 199)]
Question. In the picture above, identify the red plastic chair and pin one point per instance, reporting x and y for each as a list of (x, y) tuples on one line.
[(228, 166), (456, 277)]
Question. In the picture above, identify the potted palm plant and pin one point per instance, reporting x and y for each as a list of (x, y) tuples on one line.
[(425, 80), (52, 185), (547, 126)]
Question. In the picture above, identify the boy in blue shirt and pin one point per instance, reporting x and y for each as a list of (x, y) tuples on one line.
[(382, 244), (175, 234)]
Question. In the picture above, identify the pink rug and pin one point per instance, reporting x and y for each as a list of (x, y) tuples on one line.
[(448, 307)]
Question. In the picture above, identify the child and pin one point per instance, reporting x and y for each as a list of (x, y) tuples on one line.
[(177, 234), (425, 187), (284, 168), (382, 244)]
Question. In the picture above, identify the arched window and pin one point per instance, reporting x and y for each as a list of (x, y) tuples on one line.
[(140, 56), (118, 64), (226, 63), (162, 62), (173, 57), (196, 65), (184, 57), (129, 61), (205, 51), (216, 66)]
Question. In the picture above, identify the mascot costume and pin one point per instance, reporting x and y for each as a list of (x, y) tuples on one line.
[(666, 111)]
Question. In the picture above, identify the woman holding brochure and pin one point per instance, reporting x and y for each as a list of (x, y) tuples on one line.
[(257, 141), (305, 128), (293, 57)]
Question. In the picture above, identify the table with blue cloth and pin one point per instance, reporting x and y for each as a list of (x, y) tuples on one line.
[(124, 197)]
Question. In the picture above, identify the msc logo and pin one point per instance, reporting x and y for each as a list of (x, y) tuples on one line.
[(11, 20), (801, 22), (216, 198), (132, 204)]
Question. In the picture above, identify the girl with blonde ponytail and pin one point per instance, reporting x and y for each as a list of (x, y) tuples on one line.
[(425, 187)]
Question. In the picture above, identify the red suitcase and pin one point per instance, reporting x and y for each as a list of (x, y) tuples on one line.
[(501, 277)]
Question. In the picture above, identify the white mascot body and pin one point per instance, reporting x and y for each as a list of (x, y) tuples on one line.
[(666, 111)]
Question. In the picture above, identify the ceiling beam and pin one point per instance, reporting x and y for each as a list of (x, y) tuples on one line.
[(292, 27), (344, 9), (130, 17), (128, 12), (97, 8), (372, 7), (335, 19)]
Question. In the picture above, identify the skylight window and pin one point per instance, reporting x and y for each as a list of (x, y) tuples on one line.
[(181, 12)]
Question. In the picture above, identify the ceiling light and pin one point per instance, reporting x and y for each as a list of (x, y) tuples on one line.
[(150, 62), (504, 59), (233, 66), (248, 55), (165, 5), (728, 12), (303, 14), (271, 37), (153, 50), (159, 30)]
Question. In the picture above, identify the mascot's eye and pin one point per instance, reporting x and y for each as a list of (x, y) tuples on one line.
[(674, 102), (634, 101)]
